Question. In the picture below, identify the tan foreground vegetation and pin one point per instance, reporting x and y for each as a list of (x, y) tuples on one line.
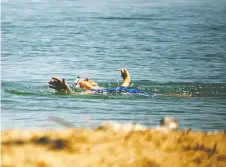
[(107, 147)]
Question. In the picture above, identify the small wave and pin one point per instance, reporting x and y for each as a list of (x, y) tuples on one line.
[(150, 18), (21, 93)]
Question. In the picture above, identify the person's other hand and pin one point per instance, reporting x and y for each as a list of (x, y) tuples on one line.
[(124, 73), (126, 77), (59, 85)]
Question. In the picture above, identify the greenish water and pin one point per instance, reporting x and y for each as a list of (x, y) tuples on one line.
[(168, 46)]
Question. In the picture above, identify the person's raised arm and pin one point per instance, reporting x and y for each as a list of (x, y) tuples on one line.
[(126, 77), (59, 85)]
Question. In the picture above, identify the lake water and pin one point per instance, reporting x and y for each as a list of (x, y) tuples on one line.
[(168, 46)]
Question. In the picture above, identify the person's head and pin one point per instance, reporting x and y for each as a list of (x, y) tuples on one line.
[(85, 83)]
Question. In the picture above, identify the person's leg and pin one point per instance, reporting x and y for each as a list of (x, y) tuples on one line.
[(126, 77)]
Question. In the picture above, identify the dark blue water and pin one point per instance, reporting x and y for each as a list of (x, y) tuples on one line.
[(168, 46)]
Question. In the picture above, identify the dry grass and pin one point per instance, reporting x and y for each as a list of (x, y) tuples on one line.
[(106, 148)]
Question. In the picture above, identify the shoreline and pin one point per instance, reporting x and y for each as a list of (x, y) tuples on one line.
[(107, 145)]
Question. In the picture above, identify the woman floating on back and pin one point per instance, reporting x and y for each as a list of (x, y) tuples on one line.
[(92, 87)]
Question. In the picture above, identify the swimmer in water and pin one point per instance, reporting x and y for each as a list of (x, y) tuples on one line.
[(89, 85), (92, 87)]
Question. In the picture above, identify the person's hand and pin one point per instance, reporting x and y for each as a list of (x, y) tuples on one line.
[(59, 85), (126, 77), (124, 73)]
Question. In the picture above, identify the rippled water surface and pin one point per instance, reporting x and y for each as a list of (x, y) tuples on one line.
[(168, 46)]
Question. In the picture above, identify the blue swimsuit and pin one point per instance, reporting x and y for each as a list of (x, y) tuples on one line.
[(121, 89)]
